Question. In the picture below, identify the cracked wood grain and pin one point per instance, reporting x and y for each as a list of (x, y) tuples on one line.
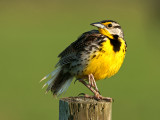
[(80, 108)]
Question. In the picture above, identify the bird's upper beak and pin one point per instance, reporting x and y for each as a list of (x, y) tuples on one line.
[(98, 24)]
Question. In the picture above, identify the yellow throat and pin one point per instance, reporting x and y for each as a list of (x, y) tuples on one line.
[(106, 61)]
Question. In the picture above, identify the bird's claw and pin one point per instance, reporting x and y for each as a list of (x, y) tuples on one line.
[(97, 97), (81, 94)]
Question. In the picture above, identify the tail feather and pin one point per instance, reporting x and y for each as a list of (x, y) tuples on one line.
[(52, 74), (64, 87), (51, 82), (59, 81)]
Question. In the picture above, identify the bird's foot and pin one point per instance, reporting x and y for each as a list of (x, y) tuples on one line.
[(100, 97), (97, 97)]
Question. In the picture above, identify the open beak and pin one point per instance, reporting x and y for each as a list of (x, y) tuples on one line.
[(98, 24)]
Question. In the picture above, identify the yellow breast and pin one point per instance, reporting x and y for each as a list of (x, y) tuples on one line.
[(106, 62)]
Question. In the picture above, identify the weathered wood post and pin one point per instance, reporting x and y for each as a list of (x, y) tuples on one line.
[(80, 108)]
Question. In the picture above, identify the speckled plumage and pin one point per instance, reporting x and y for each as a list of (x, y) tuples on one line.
[(97, 52), (77, 55)]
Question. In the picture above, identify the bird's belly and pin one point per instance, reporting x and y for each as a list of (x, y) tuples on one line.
[(105, 64)]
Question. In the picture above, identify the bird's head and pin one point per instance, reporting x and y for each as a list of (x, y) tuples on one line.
[(109, 28)]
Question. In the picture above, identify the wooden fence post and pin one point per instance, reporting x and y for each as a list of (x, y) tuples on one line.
[(80, 108)]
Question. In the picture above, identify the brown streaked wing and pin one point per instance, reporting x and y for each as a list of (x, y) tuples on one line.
[(70, 53), (79, 43)]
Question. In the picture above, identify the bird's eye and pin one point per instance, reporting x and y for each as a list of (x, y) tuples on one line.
[(109, 25)]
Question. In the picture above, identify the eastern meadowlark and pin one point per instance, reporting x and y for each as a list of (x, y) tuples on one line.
[(95, 55)]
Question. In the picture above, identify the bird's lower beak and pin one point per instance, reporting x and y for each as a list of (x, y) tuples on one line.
[(98, 24)]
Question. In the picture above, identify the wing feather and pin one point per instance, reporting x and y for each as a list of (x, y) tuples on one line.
[(71, 52)]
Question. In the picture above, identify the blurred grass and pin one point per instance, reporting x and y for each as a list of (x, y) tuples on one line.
[(33, 33)]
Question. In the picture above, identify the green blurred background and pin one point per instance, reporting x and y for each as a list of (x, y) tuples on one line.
[(33, 33)]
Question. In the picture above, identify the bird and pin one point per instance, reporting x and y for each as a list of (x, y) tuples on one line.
[(97, 54)]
